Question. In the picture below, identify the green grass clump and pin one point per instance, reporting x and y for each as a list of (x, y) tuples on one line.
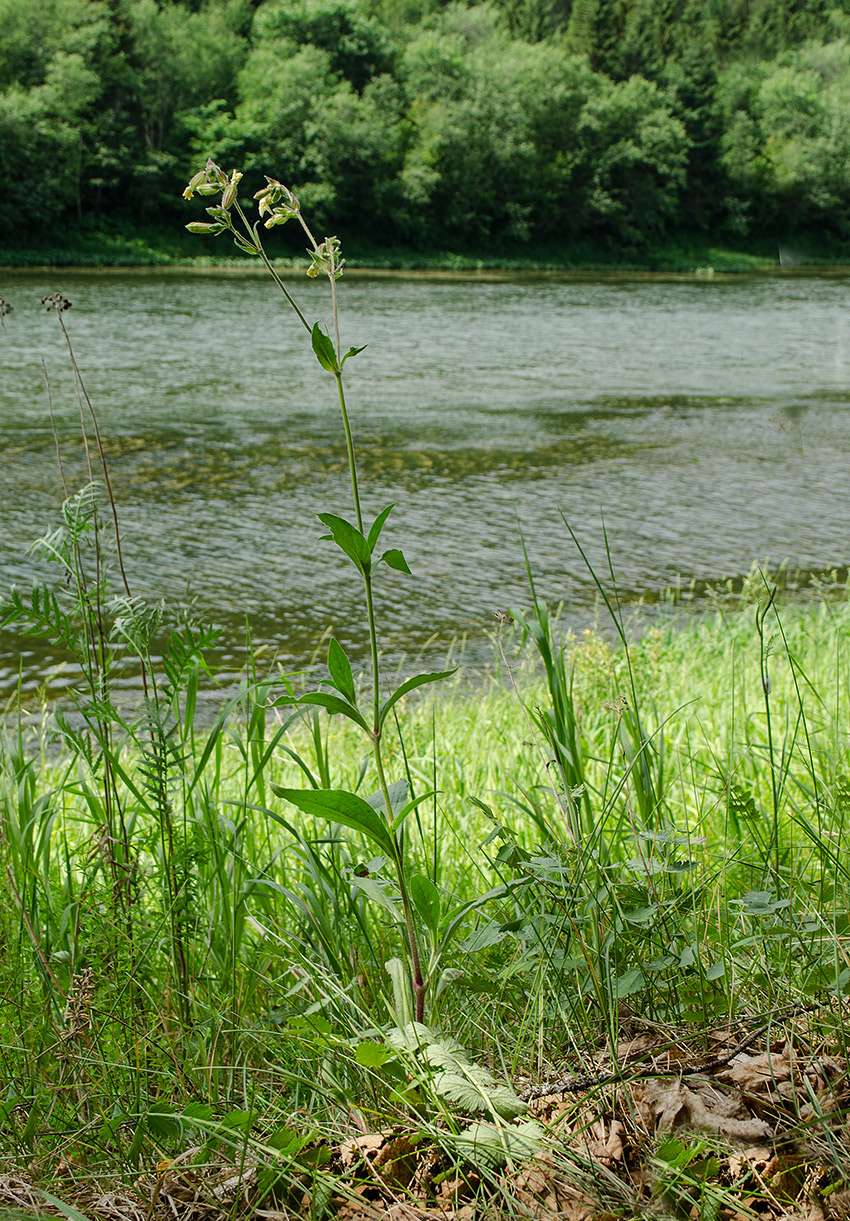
[(730, 901)]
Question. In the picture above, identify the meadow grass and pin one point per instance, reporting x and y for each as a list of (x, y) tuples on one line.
[(729, 902)]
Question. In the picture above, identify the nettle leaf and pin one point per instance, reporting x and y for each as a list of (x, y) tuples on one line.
[(630, 981), (378, 525), (395, 559), (196, 1111), (410, 684), (337, 805), (483, 937), (161, 1121), (456, 1078), (334, 704), (761, 903), (324, 349), (349, 540), (339, 668)]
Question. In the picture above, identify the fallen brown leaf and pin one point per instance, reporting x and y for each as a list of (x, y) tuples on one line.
[(759, 1073), (704, 1108)]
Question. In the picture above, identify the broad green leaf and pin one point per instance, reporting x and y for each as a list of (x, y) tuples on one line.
[(314, 1022), (411, 684), (641, 915), (378, 525), (456, 915), (761, 903), (394, 559), (339, 668), (426, 900), (370, 1054), (397, 792), (324, 349), (161, 1121), (457, 1078), (487, 1147), (349, 540), (402, 992), (630, 981), (287, 1140), (489, 934), (337, 805), (196, 1110), (407, 810), (334, 704), (688, 957), (716, 970), (352, 352), (373, 890)]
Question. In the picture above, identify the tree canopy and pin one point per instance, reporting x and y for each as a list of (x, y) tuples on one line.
[(429, 124)]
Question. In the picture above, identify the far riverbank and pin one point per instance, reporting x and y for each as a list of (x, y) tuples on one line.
[(678, 256)]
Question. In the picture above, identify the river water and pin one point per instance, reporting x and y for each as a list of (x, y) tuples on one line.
[(705, 420)]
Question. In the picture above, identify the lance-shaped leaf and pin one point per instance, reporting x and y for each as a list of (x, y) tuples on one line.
[(349, 539), (334, 704), (395, 559), (426, 900), (410, 684), (324, 349), (339, 668), (453, 918), (347, 809), (352, 352), (407, 810), (378, 525), (373, 889)]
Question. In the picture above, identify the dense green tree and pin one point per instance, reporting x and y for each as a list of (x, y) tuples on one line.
[(458, 123), (357, 46), (786, 143)]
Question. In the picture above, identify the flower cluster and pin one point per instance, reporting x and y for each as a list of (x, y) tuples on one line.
[(325, 259), (269, 199), (274, 201), (212, 180)]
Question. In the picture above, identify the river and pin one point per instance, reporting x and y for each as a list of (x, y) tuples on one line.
[(705, 420)]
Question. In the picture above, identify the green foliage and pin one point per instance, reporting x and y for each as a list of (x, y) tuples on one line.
[(787, 135), (485, 126), (451, 1074)]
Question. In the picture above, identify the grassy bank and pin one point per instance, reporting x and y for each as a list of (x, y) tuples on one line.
[(152, 248), (239, 1036)]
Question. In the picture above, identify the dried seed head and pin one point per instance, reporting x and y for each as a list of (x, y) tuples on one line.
[(56, 302)]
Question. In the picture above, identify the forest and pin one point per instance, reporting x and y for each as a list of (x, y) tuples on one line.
[(509, 126)]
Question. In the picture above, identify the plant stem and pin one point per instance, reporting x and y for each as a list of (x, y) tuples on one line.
[(253, 234), (352, 465), (415, 961)]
